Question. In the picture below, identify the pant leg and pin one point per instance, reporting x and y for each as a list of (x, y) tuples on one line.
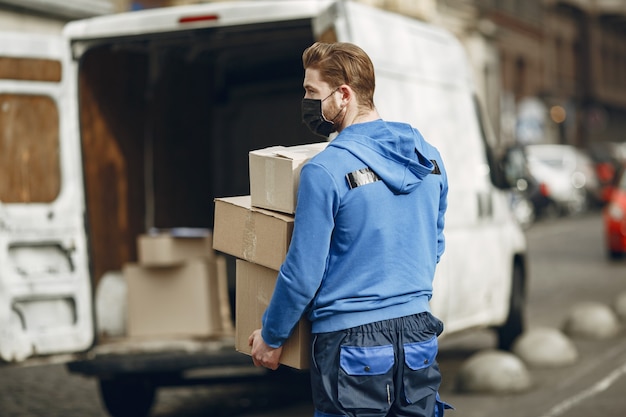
[(367, 371), (418, 376)]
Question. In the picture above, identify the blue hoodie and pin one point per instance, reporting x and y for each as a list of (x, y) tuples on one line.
[(366, 253)]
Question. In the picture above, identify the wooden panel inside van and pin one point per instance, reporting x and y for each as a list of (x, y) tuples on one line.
[(30, 69), (167, 125), (111, 88), (29, 149)]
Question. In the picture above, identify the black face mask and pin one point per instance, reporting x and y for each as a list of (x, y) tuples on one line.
[(313, 117)]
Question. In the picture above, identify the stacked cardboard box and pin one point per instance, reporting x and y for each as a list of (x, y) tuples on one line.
[(255, 285), (257, 230), (178, 287), (275, 174)]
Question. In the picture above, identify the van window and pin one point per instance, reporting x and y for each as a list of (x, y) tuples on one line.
[(29, 149), (496, 170)]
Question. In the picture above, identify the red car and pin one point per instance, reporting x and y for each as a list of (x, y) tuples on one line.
[(615, 220)]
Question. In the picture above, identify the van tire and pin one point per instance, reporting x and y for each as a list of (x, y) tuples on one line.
[(127, 396), (514, 325)]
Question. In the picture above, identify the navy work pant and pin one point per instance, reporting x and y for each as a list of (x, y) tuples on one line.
[(386, 368)]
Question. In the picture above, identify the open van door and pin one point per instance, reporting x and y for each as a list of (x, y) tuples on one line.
[(478, 280), (45, 290)]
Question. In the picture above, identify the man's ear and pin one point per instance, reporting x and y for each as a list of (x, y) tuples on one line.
[(347, 94)]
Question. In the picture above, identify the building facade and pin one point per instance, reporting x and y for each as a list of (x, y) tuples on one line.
[(565, 58), (550, 71), (546, 70)]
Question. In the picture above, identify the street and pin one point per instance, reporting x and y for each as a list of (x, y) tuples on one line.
[(567, 265)]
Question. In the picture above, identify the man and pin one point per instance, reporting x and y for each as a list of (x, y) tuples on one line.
[(367, 237)]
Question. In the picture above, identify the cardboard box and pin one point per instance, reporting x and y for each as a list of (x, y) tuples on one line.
[(174, 247), (275, 175), (253, 234), (181, 300), (255, 286)]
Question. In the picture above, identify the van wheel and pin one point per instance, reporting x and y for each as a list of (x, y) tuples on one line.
[(514, 325), (127, 396)]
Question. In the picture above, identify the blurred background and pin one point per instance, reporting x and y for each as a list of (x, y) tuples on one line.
[(547, 72), (551, 78)]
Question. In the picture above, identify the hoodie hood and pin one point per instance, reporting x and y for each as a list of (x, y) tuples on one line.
[(392, 150)]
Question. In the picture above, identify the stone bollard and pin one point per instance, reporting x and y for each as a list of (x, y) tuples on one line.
[(591, 320), (493, 371), (545, 347)]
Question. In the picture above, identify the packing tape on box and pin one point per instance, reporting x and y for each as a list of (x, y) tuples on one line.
[(270, 183), (249, 237)]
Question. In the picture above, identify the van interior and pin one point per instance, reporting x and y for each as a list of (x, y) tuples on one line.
[(167, 121)]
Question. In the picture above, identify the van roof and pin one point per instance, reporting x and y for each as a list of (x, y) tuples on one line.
[(168, 19), (409, 56)]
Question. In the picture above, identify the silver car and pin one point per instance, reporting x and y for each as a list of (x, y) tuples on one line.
[(568, 173)]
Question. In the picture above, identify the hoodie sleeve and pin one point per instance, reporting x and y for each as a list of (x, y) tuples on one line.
[(301, 274)]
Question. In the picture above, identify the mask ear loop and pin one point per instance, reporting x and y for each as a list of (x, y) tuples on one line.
[(340, 108), (332, 92)]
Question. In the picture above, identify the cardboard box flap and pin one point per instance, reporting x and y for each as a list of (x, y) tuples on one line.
[(296, 153), (245, 202)]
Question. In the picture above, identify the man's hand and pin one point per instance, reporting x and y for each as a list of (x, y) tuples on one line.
[(262, 354)]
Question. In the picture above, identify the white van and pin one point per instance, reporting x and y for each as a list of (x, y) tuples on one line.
[(139, 120)]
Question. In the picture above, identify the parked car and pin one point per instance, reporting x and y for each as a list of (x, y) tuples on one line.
[(529, 197), (609, 160), (568, 173), (614, 216)]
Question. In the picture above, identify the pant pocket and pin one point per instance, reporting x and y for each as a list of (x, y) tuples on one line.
[(366, 377), (421, 377)]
